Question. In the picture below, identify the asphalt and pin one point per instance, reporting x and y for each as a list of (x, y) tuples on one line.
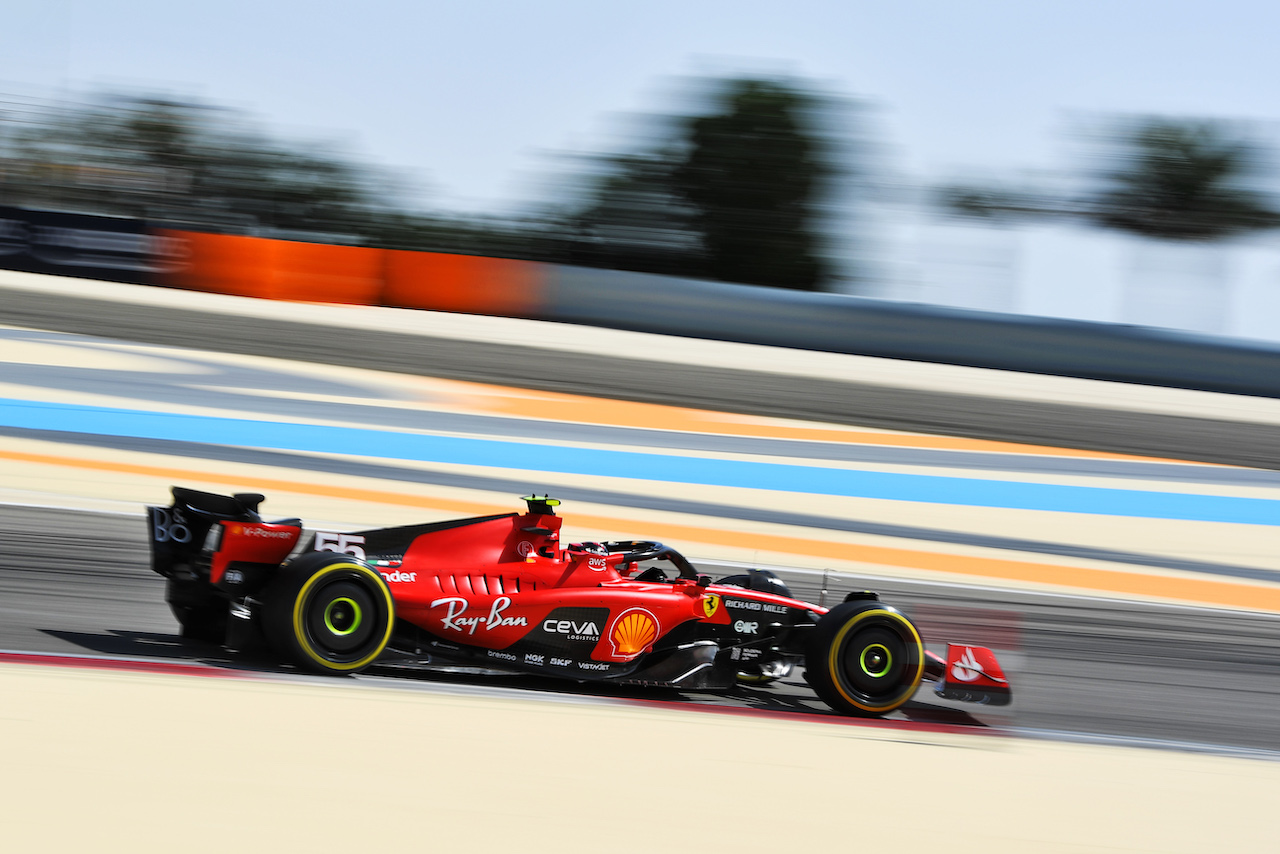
[(708, 387), (77, 582), (72, 581)]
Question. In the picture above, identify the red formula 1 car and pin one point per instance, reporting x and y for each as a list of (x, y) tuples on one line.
[(501, 593)]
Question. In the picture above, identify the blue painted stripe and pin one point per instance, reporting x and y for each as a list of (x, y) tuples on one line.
[(627, 464)]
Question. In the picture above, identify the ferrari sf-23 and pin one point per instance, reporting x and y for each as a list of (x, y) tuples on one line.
[(500, 593)]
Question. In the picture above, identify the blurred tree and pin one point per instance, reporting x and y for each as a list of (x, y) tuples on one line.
[(729, 194), (732, 194), (635, 220), (1182, 180), (1165, 178), (183, 162), (159, 131), (752, 174)]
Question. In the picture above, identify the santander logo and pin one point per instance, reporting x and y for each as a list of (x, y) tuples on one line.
[(966, 668)]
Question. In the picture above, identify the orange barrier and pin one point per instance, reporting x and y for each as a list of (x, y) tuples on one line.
[(463, 283), (219, 263), (352, 275), (315, 272), (276, 269)]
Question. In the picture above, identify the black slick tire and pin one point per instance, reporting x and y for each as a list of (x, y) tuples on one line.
[(865, 659), (201, 613), (328, 613)]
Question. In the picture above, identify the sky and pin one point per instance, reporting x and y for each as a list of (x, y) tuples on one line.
[(478, 100)]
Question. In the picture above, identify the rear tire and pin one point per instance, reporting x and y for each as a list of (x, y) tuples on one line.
[(865, 659), (328, 613), (201, 613)]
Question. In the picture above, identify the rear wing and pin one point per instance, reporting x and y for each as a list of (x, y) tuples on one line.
[(178, 532), (218, 539)]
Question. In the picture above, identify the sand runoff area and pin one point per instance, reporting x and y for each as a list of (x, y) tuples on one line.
[(129, 761)]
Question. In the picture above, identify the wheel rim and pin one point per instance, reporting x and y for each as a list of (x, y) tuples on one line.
[(339, 620), (875, 660), (878, 663), (343, 616)]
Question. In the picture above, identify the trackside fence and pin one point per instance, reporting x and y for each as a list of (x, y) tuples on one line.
[(269, 268)]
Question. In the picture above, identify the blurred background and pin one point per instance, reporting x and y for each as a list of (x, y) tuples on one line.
[(1098, 161), (922, 181)]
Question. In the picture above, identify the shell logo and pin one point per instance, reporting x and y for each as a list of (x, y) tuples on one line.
[(632, 631)]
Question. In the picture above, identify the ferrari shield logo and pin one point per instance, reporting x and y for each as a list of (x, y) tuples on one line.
[(710, 605)]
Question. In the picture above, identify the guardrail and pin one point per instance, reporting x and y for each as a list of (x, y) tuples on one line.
[(290, 270), (846, 324)]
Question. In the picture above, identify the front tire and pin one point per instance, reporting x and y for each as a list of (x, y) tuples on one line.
[(328, 613), (865, 659)]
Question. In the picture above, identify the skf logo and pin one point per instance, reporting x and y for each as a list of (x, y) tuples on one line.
[(710, 605), (632, 631)]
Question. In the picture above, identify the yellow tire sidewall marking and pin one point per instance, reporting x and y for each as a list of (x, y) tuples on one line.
[(299, 623), (833, 663)]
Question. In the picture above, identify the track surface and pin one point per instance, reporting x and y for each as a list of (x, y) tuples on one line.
[(850, 402), (77, 582)]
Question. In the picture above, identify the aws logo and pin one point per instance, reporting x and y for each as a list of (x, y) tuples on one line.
[(632, 631), (710, 605)]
